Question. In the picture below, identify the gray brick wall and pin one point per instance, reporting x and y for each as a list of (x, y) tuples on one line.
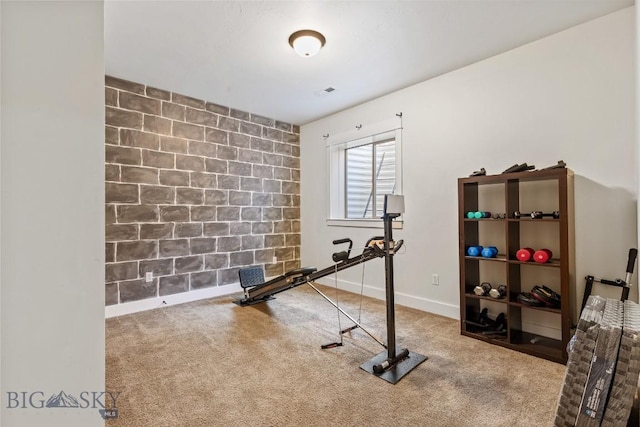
[(194, 191)]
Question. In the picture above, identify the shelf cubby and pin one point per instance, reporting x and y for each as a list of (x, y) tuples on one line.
[(547, 191)]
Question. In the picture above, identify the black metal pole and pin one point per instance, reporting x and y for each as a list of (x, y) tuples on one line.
[(388, 268)]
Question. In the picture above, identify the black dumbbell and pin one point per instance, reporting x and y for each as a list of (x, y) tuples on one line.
[(540, 214), (499, 292), (536, 214), (482, 289)]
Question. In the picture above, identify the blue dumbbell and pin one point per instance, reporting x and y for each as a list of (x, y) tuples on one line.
[(489, 252), (471, 214), (474, 250)]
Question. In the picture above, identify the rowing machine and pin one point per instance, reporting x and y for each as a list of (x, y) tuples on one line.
[(392, 364)]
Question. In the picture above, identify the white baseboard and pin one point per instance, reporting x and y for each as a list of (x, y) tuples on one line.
[(412, 301), (167, 300)]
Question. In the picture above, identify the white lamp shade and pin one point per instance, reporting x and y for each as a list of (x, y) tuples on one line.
[(306, 43)]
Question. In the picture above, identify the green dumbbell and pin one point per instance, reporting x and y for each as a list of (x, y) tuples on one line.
[(482, 214)]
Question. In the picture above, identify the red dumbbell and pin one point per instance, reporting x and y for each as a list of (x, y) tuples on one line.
[(524, 254), (542, 256)]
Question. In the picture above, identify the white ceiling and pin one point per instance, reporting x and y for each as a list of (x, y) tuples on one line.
[(236, 53)]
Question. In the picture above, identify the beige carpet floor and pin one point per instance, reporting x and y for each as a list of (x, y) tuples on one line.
[(213, 363)]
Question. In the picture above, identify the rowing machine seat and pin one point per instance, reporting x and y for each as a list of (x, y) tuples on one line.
[(252, 280)]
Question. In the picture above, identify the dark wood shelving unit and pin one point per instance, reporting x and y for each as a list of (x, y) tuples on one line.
[(507, 193)]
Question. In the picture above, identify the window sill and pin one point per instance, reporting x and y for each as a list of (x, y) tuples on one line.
[(364, 223)]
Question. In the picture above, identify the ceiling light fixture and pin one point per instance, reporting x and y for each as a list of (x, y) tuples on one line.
[(307, 43)]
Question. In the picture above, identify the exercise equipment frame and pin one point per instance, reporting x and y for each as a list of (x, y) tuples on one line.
[(393, 363)]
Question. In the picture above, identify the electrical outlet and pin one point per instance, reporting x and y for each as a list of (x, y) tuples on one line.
[(435, 279), (274, 260), (148, 277)]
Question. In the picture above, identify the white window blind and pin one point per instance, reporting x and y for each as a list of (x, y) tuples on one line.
[(362, 169), (370, 171)]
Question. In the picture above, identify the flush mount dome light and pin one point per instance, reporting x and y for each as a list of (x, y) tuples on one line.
[(306, 42)]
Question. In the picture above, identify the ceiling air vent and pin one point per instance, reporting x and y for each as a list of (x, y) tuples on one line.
[(324, 92)]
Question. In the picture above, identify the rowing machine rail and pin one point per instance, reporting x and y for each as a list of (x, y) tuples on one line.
[(301, 276)]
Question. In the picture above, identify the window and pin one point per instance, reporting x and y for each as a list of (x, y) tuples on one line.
[(370, 171), (361, 172)]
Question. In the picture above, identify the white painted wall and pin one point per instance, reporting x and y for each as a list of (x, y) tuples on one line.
[(52, 201), (637, 106), (569, 96)]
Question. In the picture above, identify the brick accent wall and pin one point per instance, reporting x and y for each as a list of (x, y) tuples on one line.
[(194, 191)]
